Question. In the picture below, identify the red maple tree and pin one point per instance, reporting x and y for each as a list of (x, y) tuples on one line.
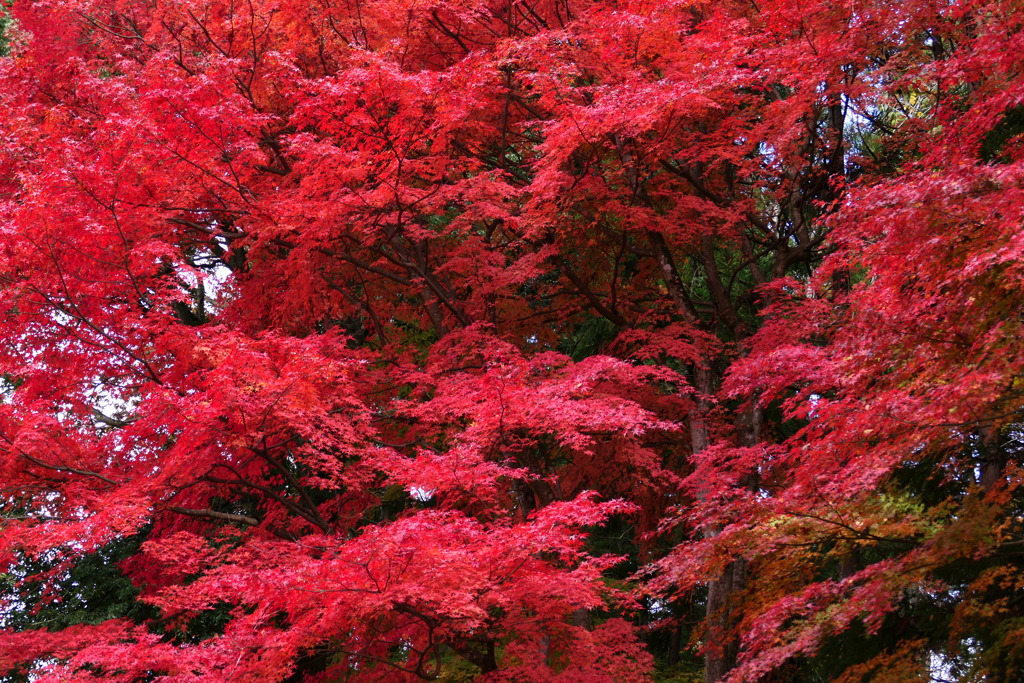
[(486, 339)]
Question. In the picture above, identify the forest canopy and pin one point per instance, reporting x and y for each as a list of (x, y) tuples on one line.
[(511, 340)]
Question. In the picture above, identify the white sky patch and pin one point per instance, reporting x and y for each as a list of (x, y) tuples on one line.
[(421, 493)]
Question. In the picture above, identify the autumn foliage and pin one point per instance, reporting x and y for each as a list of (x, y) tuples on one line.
[(533, 340)]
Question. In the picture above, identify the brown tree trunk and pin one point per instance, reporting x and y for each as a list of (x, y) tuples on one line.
[(992, 458), (722, 642), (722, 646)]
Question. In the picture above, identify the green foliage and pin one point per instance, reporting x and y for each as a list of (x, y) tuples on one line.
[(455, 669), (92, 591), (994, 144), (685, 672), (5, 26), (589, 337)]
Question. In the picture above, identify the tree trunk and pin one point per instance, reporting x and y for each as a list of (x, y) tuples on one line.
[(722, 644)]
